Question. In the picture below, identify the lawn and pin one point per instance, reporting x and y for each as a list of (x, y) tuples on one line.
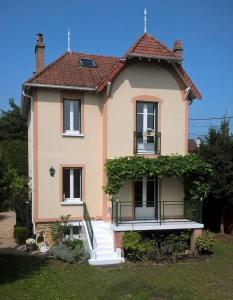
[(25, 277)]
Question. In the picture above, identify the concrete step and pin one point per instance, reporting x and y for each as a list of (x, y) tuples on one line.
[(103, 262)]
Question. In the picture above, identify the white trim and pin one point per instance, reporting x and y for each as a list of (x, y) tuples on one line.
[(72, 134), (152, 225), (59, 86), (71, 202)]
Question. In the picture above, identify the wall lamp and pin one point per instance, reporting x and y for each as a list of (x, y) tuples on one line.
[(52, 171)]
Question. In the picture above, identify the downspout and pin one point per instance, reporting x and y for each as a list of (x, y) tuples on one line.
[(32, 153), (187, 92)]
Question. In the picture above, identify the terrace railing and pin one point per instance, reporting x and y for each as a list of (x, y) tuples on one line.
[(175, 211), (147, 142)]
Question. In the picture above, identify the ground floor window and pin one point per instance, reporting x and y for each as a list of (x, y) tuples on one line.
[(72, 184), (73, 232)]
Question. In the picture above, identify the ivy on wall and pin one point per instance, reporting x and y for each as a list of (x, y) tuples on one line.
[(190, 167)]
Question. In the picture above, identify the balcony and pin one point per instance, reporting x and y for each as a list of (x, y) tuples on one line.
[(169, 215), (148, 142)]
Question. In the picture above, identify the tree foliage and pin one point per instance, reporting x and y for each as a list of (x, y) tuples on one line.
[(191, 167), (12, 124), (217, 150), (14, 188)]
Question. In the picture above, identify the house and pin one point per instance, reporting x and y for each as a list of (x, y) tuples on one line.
[(84, 109)]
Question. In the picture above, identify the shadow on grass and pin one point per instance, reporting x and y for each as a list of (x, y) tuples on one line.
[(15, 266)]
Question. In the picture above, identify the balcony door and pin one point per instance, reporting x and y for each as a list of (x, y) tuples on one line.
[(146, 127), (145, 198)]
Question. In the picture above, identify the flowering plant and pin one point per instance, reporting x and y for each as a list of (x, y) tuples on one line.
[(30, 241)]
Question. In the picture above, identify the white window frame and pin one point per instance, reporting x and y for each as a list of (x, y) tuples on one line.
[(71, 131), (73, 200)]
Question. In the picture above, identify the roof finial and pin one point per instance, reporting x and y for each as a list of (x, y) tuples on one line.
[(68, 41), (145, 20)]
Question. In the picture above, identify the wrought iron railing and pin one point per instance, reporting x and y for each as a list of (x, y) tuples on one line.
[(90, 231), (164, 211), (147, 142)]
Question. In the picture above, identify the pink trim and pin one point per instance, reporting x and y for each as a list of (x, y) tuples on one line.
[(81, 166), (73, 96), (47, 220), (35, 154), (105, 149), (147, 98)]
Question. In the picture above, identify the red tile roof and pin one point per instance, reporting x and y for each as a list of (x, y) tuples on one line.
[(148, 46), (66, 70)]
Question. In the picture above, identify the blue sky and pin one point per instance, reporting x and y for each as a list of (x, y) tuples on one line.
[(110, 27)]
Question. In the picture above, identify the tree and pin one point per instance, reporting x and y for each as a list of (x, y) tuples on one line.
[(217, 149), (14, 188)]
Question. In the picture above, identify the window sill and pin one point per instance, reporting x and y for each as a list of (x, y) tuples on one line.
[(72, 134), (69, 203)]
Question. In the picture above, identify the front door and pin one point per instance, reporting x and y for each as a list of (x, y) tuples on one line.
[(145, 198)]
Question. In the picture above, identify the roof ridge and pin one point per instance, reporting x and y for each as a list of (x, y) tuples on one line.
[(47, 67), (99, 55)]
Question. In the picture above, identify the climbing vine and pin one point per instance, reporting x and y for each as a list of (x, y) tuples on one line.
[(190, 167)]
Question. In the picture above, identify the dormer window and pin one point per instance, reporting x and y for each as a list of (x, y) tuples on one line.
[(88, 63)]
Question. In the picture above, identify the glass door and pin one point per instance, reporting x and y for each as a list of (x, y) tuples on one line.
[(145, 198)]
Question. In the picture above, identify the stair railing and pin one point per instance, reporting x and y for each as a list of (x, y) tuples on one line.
[(90, 231)]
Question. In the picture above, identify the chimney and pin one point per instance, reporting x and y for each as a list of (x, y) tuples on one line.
[(39, 51), (178, 49)]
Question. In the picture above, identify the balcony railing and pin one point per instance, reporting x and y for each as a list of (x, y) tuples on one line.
[(164, 211), (148, 142)]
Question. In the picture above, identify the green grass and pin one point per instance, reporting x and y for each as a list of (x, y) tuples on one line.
[(25, 277)]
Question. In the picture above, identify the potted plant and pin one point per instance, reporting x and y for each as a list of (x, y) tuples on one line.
[(31, 244)]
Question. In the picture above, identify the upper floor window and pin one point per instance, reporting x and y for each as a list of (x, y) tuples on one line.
[(146, 136), (72, 116)]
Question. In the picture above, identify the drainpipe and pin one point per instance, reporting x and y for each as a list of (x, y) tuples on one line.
[(187, 91), (108, 89), (32, 153)]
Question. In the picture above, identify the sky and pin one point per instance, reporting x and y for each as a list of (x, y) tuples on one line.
[(109, 27)]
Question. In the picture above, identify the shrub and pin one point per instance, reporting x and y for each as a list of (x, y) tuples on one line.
[(70, 251), (58, 229), (205, 242), (136, 247), (20, 234), (63, 253)]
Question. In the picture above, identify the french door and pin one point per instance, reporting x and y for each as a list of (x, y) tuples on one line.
[(146, 127), (145, 198)]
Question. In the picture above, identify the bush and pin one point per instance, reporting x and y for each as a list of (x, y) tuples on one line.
[(135, 247), (70, 251), (20, 234), (205, 242), (63, 253), (58, 229)]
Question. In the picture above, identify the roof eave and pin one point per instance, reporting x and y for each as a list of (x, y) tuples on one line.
[(166, 58), (54, 86)]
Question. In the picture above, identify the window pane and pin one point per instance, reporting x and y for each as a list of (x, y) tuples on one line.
[(150, 193), (138, 193), (76, 229), (66, 115), (150, 121), (66, 183), (77, 180), (140, 107), (150, 108), (139, 123), (77, 115)]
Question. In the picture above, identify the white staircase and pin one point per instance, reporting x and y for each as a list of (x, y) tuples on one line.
[(104, 252)]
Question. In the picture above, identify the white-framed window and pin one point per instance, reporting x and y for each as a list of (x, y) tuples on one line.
[(72, 185), (72, 116), (72, 231)]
